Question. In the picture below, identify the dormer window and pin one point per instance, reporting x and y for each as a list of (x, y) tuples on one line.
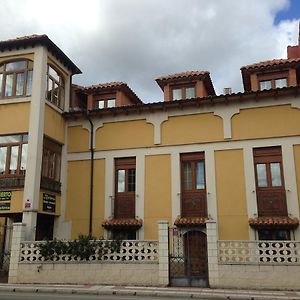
[(273, 84), (105, 103), (183, 92), (16, 78)]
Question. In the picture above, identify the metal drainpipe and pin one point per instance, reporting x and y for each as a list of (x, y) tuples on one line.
[(91, 175)]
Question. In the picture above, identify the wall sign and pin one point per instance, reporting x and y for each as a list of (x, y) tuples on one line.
[(49, 202), (5, 195), (4, 206)]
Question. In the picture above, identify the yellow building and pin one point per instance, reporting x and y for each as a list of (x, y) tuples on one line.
[(97, 160)]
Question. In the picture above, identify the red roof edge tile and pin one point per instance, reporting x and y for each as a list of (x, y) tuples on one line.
[(190, 221), (278, 221), (123, 223)]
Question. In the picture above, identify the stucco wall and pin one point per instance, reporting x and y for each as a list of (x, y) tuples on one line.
[(259, 277), (89, 273)]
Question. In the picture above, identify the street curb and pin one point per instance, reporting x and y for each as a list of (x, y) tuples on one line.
[(141, 293)]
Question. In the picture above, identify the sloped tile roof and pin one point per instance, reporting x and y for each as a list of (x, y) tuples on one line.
[(270, 63), (123, 223), (114, 84), (190, 221), (279, 221), (43, 39), (183, 75), (179, 77)]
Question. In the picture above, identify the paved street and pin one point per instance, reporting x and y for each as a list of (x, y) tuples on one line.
[(37, 296)]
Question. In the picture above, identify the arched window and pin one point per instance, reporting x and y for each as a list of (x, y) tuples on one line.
[(55, 87), (16, 78)]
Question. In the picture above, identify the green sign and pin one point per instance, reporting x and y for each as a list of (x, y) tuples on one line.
[(5, 206), (5, 195), (49, 203)]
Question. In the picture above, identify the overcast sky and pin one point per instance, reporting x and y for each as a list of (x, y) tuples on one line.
[(136, 41)]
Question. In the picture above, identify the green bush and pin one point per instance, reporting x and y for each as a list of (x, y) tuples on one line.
[(83, 247)]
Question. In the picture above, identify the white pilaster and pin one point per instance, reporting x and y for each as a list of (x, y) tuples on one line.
[(290, 183), (212, 253), (163, 253), (175, 183), (211, 183), (140, 191), (17, 238), (250, 186), (35, 143)]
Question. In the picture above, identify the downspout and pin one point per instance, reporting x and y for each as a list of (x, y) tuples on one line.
[(91, 174)]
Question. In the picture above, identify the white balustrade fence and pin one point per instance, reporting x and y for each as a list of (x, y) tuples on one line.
[(130, 251), (259, 252)]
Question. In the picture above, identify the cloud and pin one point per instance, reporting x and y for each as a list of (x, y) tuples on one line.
[(137, 41)]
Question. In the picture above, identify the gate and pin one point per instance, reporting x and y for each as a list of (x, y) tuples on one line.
[(188, 258), (5, 244)]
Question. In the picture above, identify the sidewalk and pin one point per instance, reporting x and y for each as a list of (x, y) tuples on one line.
[(198, 293)]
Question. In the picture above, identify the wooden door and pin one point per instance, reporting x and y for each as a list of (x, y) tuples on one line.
[(270, 190), (193, 187), (124, 204), (195, 246)]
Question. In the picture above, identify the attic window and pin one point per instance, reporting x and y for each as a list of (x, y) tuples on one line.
[(273, 83), (105, 103), (183, 92)]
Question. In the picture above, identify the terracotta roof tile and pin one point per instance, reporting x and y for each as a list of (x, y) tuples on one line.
[(35, 39), (269, 63), (182, 75), (190, 221), (114, 84), (281, 221), (27, 37), (123, 223)]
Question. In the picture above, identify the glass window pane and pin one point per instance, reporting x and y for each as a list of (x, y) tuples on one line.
[(57, 167), (282, 235), (265, 235), (9, 85), (187, 176), (16, 65), (280, 83), (3, 151), (176, 94), (100, 104), (275, 174), (20, 84), (53, 74), (45, 163), (24, 158), (131, 180), (261, 171), (61, 95), (200, 180), (29, 83), (265, 85), (190, 92), (13, 159), (121, 181), (111, 103)]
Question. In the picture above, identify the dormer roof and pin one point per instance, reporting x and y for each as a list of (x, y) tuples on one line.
[(267, 66), (189, 75), (43, 40), (111, 87)]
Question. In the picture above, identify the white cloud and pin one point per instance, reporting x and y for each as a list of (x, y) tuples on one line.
[(136, 41)]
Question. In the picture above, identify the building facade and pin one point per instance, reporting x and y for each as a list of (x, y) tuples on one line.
[(97, 160)]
